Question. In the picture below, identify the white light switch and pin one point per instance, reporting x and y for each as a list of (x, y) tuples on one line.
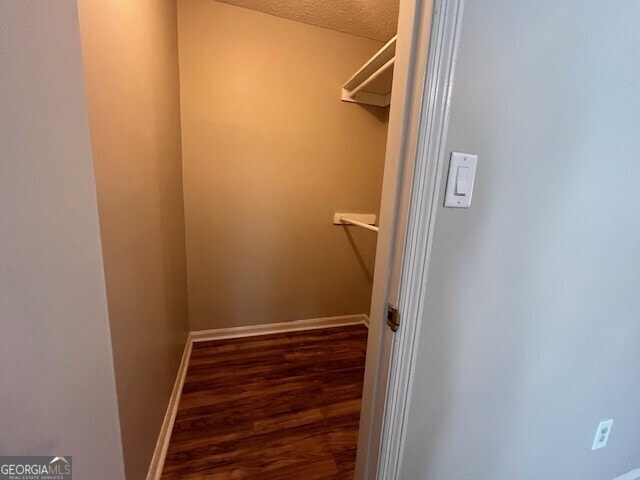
[(462, 182), (462, 172)]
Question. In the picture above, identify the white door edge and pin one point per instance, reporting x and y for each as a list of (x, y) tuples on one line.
[(409, 75), (423, 204)]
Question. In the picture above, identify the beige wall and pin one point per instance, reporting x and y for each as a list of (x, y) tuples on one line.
[(57, 390), (269, 154), (131, 73)]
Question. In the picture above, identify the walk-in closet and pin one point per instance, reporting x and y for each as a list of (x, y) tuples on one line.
[(239, 151)]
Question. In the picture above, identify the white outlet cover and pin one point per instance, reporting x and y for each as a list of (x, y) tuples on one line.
[(602, 434)]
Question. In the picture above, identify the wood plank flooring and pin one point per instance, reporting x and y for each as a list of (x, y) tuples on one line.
[(271, 407)]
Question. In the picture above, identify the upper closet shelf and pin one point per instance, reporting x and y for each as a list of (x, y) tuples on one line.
[(372, 83)]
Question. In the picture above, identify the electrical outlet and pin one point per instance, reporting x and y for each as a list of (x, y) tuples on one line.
[(602, 434)]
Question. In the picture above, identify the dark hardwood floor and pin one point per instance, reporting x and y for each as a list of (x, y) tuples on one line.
[(282, 406)]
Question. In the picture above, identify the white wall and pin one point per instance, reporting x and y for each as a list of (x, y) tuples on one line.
[(57, 391), (532, 322)]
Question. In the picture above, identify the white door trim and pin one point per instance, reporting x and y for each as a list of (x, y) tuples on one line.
[(429, 161), (632, 475), (409, 75)]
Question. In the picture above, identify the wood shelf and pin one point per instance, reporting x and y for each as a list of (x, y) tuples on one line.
[(371, 84)]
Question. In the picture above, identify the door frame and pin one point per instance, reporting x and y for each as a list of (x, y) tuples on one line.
[(426, 52)]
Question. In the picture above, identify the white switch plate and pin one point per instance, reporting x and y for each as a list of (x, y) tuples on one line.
[(602, 434), (462, 173)]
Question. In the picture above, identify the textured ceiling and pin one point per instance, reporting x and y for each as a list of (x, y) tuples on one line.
[(375, 19)]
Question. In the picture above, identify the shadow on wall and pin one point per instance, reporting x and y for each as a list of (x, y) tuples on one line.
[(367, 269), (381, 113)]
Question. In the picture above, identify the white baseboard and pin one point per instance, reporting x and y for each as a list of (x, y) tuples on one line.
[(162, 445), (270, 328), (632, 475)]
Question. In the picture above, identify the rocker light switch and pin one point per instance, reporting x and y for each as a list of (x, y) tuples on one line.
[(462, 172), (462, 182)]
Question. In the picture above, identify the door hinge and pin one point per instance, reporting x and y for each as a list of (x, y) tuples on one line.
[(393, 317)]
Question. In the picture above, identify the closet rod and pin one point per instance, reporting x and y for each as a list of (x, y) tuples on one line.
[(373, 228), (373, 76)]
